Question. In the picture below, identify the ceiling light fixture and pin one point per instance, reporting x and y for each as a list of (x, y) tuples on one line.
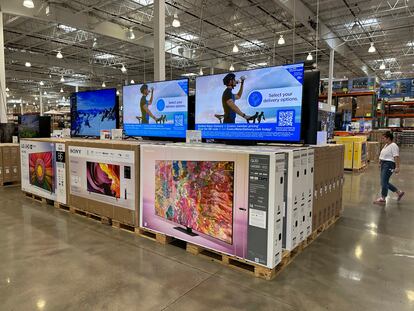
[(176, 22), (28, 64), (382, 66), (41, 83), (235, 48), (201, 71), (123, 69), (62, 79), (231, 67), (309, 57), (36, 98), (281, 40), (95, 42), (117, 92), (7, 89), (28, 4), (59, 55), (103, 84), (61, 90), (132, 81), (45, 93), (130, 34), (372, 48)]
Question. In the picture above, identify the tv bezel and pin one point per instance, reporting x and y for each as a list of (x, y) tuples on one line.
[(247, 141), (161, 138), (204, 235), (116, 111)]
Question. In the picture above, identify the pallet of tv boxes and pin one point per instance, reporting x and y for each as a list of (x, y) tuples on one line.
[(103, 178), (9, 163), (328, 181)]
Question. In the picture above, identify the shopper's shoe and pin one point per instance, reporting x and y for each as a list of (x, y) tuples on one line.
[(400, 195), (379, 201)]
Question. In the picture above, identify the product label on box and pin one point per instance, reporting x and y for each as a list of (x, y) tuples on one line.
[(61, 173), (258, 207)]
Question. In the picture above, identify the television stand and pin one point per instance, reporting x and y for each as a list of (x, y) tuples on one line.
[(188, 231)]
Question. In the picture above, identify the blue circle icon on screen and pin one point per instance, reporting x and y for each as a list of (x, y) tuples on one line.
[(160, 105), (255, 98)]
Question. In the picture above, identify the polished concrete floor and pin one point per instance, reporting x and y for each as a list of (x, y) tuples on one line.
[(50, 260)]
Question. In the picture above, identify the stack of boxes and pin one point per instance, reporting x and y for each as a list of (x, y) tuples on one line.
[(355, 151), (373, 151), (328, 181), (9, 163)]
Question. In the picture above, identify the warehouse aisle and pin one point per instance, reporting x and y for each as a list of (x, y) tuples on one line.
[(50, 260)]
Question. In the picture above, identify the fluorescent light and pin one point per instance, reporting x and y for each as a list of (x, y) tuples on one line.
[(372, 48), (28, 4), (189, 74), (144, 2), (281, 40), (201, 71), (176, 22), (252, 44), (62, 79), (309, 57), (235, 48), (59, 55), (41, 83), (61, 90), (231, 67), (66, 28), (123, 69), (28, 64), (95, 43), (132, 81), (130, 34), (382, 66), (103, 84)]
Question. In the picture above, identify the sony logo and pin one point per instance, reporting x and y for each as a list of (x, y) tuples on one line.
[(75, 151)]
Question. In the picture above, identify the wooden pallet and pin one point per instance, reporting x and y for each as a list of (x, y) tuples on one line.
[(155, 236), (61, 206), (102, 219), (122, 226), (9, 183), (357, 170), (38, 199)]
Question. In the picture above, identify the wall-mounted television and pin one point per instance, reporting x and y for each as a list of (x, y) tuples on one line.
[(156, 109), (254, 105), (207, 187), (93, 111), (34, 126)]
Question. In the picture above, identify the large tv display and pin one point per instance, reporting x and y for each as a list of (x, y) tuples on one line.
[(34, 126), (197, 195), (157, 109), (257, 105), (93, 111), (103, 179)]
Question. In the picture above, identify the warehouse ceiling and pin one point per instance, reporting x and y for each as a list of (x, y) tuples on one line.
[(94, 38)]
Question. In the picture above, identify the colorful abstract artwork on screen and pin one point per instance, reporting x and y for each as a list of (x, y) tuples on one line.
[(104, 179), (197, 194), (41, 170)]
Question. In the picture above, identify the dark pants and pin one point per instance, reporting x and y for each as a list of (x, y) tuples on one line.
[(387, 168)]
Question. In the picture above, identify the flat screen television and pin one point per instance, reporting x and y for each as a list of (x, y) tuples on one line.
[(93, 111), (254, 105), (34, 126), (156, 109), (197, 195), (103, 179), (41, 170), (7, 131)]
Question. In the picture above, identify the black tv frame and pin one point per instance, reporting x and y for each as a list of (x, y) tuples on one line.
[(248, 142), (72, 111), (162, 138)]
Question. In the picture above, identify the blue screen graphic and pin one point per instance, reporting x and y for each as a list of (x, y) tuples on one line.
[(264, 105), (93, 111), (157, 109)]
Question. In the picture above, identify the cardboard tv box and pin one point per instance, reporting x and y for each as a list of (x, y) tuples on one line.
[(103, 178), (9, 163)]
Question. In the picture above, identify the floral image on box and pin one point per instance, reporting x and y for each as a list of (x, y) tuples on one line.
[(197, 194), (41, 170), (104, 179)]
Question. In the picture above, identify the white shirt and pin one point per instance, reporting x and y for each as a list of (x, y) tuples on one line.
[(389, 152)]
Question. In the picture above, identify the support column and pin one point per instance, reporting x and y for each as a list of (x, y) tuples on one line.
[(41, 102), (330, 81), (159, 40), (77, 88), (3, 97), (211, 70)]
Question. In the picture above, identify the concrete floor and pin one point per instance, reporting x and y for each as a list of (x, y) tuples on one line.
[(51, 260)]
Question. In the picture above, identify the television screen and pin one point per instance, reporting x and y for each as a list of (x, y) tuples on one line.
[(197, 195), (29, 125), (262, 104), (93, 111), (41, 170), (103, 179), (158, 109)]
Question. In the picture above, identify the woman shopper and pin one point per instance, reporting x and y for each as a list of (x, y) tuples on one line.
[(389, 163)]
